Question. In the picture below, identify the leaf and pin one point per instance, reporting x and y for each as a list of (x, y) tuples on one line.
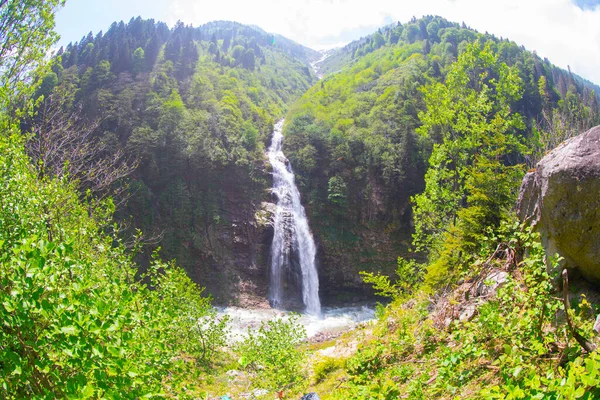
[(69, 330), (8, 307), (97, 352), (517, 371), (579, 392), (243, 361), (88, 391)]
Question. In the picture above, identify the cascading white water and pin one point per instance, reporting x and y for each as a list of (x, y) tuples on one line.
[(291, 232)]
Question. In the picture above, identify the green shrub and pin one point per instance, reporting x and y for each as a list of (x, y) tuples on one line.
[(327, 366), (274, 354), (75, 321)]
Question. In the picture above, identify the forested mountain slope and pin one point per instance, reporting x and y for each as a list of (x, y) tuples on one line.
[(416, 131), (195, 108), (353, 140)]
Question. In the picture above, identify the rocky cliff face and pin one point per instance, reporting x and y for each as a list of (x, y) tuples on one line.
[(232, 258), (561, 198), (368, 237), (234, 262)]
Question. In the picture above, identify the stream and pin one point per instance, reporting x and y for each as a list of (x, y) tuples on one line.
[(333, 320)]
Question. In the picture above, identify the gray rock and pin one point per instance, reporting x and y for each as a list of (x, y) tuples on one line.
[(310, 396), (561, 198), (468, 312), (489, 286)]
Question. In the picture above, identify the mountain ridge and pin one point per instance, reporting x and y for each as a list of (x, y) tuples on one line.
[(228, 127)]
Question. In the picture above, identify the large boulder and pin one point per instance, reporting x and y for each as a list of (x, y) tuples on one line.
[(561, 198)]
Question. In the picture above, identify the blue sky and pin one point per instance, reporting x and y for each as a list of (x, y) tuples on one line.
[(587, 4), (567, 32), (79, 17)]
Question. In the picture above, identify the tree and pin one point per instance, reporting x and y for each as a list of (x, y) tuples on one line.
[(226, 42), (469, 185), (26, 34), (432, 31), (378, 40), (173, 46), (337, 191), (152, 50), (63, 144), (189, 58), (411, 32), (249, 60), (48, 83), (238, 53), (139, 61)]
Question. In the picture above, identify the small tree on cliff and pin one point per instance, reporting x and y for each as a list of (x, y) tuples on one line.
[(469, 183)]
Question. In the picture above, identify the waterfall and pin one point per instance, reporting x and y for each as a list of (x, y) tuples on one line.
[(292, 235)]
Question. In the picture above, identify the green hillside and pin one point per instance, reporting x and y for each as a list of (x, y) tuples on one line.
[(353, 137), (194, 108)]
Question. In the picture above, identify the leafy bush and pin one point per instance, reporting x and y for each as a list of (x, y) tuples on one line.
[(273, 353), (75, 321), (327, 366), (409, 274)]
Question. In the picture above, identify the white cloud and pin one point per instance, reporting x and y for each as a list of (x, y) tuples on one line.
[(556, 29)]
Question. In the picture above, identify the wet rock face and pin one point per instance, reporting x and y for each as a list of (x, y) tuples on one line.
[(561, 198), (232, 257)]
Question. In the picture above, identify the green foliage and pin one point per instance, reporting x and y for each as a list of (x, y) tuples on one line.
[(27, 33), (306, 159), (249, 136), (76, 323), (337, 191), (409, 275), (516, 345), (273, 353), (469, 187), (139, 61), (326, 367), (74, 318)]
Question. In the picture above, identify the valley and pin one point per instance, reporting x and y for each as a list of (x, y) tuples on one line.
[(215, 210)]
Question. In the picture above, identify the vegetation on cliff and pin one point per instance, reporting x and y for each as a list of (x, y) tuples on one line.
[(360, 141), (191, 109)]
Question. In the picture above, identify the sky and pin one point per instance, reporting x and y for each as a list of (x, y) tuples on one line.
[(567, 32)]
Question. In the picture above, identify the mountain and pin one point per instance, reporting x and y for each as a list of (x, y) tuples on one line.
[(352, 138), (194, 108)]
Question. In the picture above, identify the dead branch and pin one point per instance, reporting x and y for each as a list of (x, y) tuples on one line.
[(64, 144)]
